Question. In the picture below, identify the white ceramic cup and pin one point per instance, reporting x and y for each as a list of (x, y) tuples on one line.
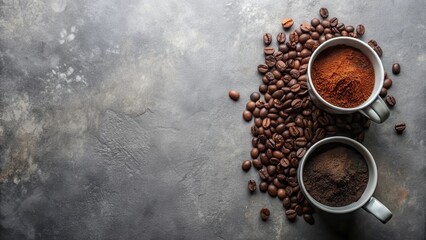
[(366, 201), (374, 107)]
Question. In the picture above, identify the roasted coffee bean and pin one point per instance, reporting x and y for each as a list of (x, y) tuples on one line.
[(298, 210), (287, 23), (272, 170), (301, 152), (272, 190), (320, 29), (390, 100), (289, 190), (340, 27), (305, 27), (281, 37), (264, 214), (326, 25), (262, 68), (266, 122), (387, 83), (270, 61), (267, 39), (286, 203), (281, 194), (263, 113), (400, 127), (278, 94), (246, 165), (257, 164), (309, 219), (263, 186), (250, 106), (268, 50), (372, 43), (300, 142), (378, 50), (285, 162), (323, 12), (307, 210), (360, 30), (291, 215), (396, 68), (234, 95), (247, 115), (263, 174), (254, 153), (315, 22), (334, 22), (251, 185), (278, 55), (263, 88), (383, 92)]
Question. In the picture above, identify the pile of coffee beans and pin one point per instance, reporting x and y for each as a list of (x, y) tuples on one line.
[(285, 121)]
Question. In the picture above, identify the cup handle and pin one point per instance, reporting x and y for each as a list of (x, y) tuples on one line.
[(377, 111), (379, 210)]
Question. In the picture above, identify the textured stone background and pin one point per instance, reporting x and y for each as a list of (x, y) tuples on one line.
[(115, 121)]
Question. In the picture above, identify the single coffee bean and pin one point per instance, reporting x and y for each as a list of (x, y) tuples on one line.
[(264, 214), (281, 193), (396, 68), (315, 22), (300, 142), (257, 164), (270, 60), (308, 218), (262, 68), (378, 50), (267, 39), (278, 55), (251, 185), (281, 37), (349, 28), (360, 30), (254, 153), (387, 83), (263, 174), (340, 27), (291, 214), (247, 115), (334, 22), (263, 186), (390, 100), (326, 25), (250, 106), (298, 210), (286, 203), (246, 165), (400, 127), (323, 12), (383, 92), (268, 50), (287, 23), (272, 190), (234, 95), (305, 27)]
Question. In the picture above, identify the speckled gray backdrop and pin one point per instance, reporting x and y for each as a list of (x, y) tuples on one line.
[(115, 121)]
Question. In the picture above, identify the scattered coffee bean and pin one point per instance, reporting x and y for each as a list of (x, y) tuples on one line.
[(254, 96), (387, 83), (246, 165), (383, 92), (334, 22), (263, 186), (396, 68), (281, 193), (400, 127), (360, 30), (287, 23), (251, 185), (308, 218), (323, 12), (281, 37), (264, 214), (267, 39), (234, 95), (315, 22), (291, 214), (272, 190), (262, 68), (390, 100), (247, 115), (268, 50), (378, 50)]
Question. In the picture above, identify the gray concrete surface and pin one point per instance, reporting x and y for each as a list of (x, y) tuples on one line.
[(115, 121)]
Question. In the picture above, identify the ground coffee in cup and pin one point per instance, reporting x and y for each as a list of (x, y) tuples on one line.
[(343, 76), (336, 175)]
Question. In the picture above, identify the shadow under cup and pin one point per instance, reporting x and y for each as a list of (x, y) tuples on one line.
[(366, 201), (374, 107)]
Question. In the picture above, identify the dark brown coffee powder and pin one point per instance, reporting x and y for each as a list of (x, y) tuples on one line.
[(336, 175)]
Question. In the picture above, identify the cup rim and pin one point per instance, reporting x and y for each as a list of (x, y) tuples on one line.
[(328, 44), (372, 181)]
